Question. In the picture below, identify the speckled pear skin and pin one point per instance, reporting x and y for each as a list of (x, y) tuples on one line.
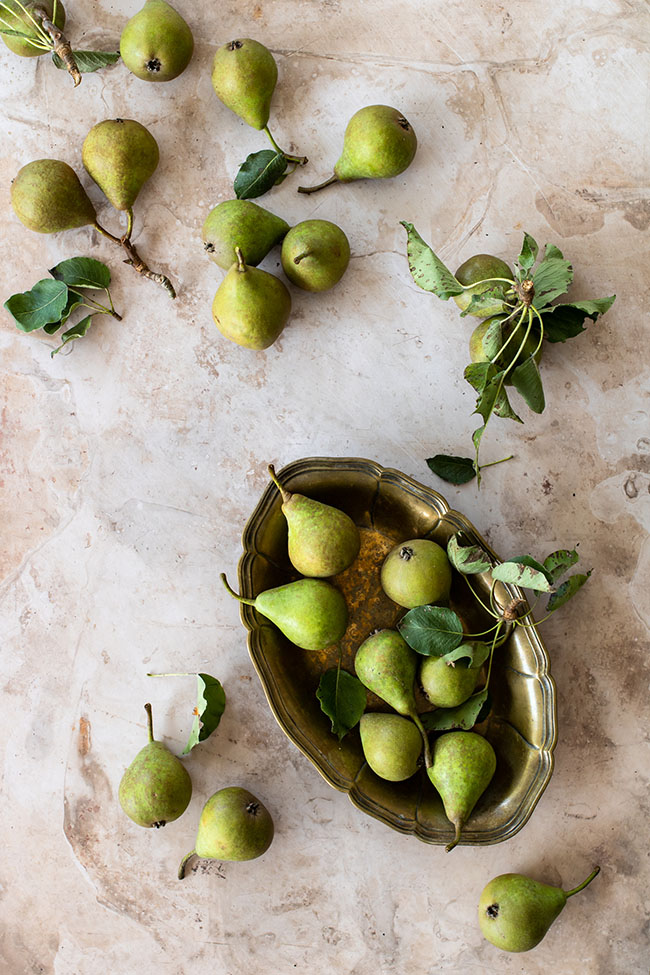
[(463, 765), (322, 540), (447, 686), (251, 307), (47, 197), (315, 255), (15, 19), (243, 224), (310, 612), (120, 155), (234, 825), (244, 76), (416, 573), (391, 745), (156, 43), (386, 665), (515, 912), (378, 143)]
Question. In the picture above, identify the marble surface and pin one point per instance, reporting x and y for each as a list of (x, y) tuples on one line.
[(129, 467)]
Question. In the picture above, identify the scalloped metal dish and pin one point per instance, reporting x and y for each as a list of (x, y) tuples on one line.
[(390, 507)]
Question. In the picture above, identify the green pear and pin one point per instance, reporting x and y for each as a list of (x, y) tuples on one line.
[(310, 612), (315, 255), (243, 224), (322, 540), (378, 143), (463, 766), (156, 787), (156, 44), (234, 825), (391, 744), (416, 573), (251, 306), (515, 912), (513, 334), (244, 75), (21, 17), (120, 155), (477, 269), (47, 197), (386, 665), (447, 684)]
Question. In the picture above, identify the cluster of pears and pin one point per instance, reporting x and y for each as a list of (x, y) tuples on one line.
[(156, 789), (252, 306), (322, 541), (119, 155)]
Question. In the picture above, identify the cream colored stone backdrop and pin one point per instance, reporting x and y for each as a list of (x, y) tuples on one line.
[(129, 467)]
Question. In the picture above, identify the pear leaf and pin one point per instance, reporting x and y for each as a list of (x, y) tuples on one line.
[(528, 256), (492, 341), (467, 559), (566, 320), (88, 61), (342, 698), (210, 705), (479, 374), (16, 33), (54, 326), (550, 250), (431, 630), (551, 279), (503, 408), (485, 300), (528, 383), (488, 396), (475, 653), (82, 272), (76, 332), (567, 590), (43, 305), (455, 470), (558, 562), (520, 572), (465, 716), (258, 173), (427, 270), (74, 301)]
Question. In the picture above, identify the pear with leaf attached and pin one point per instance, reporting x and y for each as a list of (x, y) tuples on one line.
[(156, 44), (310, 612), (251, 306), (463, 766), (477, 272), (47, 197), (243, 224), (386, 665), (322, 540), (244, 76), (120, 155), (378, 143), (156, 787), (234, 825), (391, 745), (515, 911), (20, 17)]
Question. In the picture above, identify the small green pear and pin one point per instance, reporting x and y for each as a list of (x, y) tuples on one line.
[(234, 825), (47, 197), (416, 573), (513, 334), (243, 224), (447, 683), (463, 766), (378, 143), (156, 787), (515, 912), (478, 269), (391, 745), (244, 75), (322, 540), (315, 255), (251, 306), (310, 612), (120, 155), (386, 665), (156, 44), (18, 17)]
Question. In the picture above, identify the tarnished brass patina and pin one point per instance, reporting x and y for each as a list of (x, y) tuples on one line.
[(390, 507)]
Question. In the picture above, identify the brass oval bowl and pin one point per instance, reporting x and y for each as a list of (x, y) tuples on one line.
[(390, 507)]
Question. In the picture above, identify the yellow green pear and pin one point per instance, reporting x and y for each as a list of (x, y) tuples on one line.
[(416, 572), (243, 224), (244, 75), (251, 306), (120, 155), (47, 197), (445, 683), (234, 826), (315, 255), (391, 745), (20, 17), (478, 269), (156, 44), (513, 334), (462, 769)]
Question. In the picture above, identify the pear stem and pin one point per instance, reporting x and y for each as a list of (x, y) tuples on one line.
[(129, 224), (321, 186), (60, 45), (594, 873), (135, 261), (457, 829), (428, 761), (172, 675), (147, 708), (241, 599), (286, 496), (241, 263), (181, 869), (300, 160)]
